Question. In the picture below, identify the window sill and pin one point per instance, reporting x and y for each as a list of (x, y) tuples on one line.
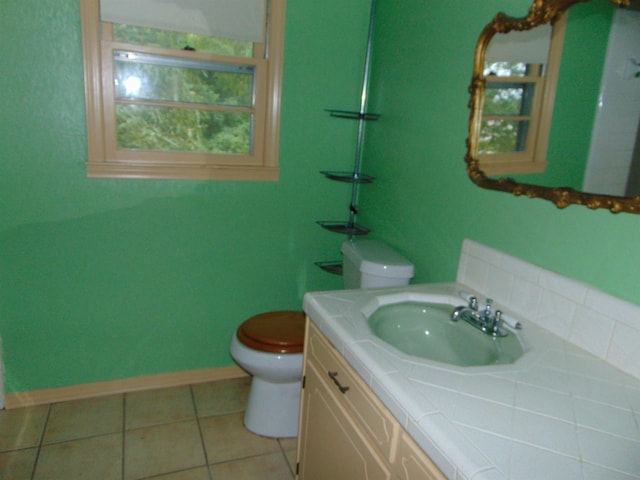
[(511, 168), (181, 172)]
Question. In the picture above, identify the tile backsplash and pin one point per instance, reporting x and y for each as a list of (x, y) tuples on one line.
[(595, 321)]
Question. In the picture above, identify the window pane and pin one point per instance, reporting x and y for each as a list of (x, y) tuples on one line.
[(505, 69), (508, 99), (153, 37), (179, 129), (503, 136), (152, 77)]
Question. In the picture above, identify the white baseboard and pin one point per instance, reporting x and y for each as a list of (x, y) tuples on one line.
[(134, 384)]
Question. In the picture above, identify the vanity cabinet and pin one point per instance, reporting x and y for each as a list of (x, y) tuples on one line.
[(345, 431)]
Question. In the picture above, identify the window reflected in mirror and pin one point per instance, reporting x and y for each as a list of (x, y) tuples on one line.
[(520, 69), (508, 106), (589, 139)]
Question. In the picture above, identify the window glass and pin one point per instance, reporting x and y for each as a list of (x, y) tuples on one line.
[(508, 98), (153, 37), (172, 103), (505, 69), (180, 129), (154, 77), (503, 136), (508, 107)]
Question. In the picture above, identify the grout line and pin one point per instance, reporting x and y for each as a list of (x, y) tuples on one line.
[(39, 444), (44, 429), (75, 439), (286, 459), (193, 401), (124, 424), (172, 472), (204, 448), (246, 457)]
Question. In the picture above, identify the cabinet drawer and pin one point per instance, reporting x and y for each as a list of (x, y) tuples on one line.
[(353, 394)]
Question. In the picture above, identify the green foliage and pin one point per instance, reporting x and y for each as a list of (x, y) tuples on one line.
[(504, 100), (178, 84), (501, 136), (153, 37), (196, 88), (181, 129)]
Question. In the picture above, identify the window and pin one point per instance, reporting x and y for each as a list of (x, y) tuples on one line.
[(521, 74), (165, 103)]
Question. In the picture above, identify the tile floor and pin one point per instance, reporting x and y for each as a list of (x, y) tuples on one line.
[(193, 433)]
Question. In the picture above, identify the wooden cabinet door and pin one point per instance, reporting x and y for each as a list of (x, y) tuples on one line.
[(369, 414), (412, 463), (332, 446)]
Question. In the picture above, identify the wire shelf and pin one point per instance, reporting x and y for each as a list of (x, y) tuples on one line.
[(347, 177), (349, 115), (344, 227), (332, 267)]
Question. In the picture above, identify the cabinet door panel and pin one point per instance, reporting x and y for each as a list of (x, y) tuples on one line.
[(412, 464), (332, 447), (373, 416)]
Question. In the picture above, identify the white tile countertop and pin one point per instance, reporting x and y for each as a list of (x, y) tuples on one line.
[(559, 412)]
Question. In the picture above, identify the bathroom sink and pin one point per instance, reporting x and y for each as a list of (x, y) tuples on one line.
[(425, 330)]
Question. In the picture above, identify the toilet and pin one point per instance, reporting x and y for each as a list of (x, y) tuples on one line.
[(373, 264), (269, 345)]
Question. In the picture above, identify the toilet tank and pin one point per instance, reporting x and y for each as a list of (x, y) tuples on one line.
[(373, 264)]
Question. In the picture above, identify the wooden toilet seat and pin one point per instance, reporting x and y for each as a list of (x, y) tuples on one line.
[(274, 332)]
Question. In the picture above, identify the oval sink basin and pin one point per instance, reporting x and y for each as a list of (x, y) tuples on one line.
[(425, 330)]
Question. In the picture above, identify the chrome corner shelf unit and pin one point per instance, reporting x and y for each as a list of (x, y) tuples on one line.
[(355, 177)]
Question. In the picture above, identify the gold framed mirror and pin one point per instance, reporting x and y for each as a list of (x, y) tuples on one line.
[(517, 165)]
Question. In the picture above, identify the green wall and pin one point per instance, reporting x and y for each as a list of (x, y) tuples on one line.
[(424, 204), (108, 279)]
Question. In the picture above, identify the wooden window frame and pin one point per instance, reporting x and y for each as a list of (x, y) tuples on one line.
[(533, 159), (105, 160)]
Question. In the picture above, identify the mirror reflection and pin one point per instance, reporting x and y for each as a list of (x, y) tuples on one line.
[(613, 166), (521, 76), (584, 145)]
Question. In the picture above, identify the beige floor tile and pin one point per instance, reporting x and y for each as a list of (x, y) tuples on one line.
[(288, 443), (84, 418), (22, 427), (84, 438), (290, 455), (18, 465), (221, 397), (263, 467), (162, 449), (88, 458), (225, 438), (289, 447), (200, 473), (155, 407)]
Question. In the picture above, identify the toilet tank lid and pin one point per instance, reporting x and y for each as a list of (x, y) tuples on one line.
[(377, 258)]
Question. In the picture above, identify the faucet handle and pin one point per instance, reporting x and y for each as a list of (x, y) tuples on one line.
[(497, 325), (487, 308), (473, 303)]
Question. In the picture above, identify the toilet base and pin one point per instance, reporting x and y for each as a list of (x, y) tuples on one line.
[(272, 409)]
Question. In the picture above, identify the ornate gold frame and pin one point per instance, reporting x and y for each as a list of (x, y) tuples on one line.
[(541, 12)]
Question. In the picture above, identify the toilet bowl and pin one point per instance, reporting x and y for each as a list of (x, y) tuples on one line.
[(269, 345)]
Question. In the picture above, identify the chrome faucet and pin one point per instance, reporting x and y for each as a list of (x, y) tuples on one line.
[(487, 320)]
